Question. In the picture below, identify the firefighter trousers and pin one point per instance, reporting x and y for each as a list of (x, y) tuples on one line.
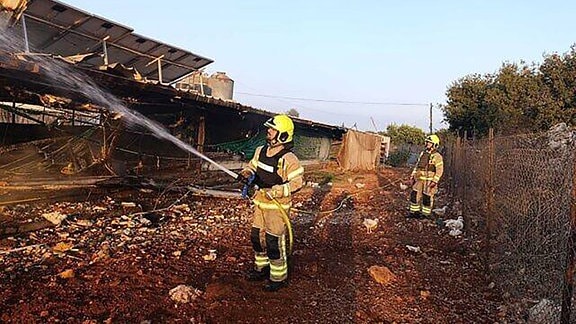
[(422, 198), (268, 237)]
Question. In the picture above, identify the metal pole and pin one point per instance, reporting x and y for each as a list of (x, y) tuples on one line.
[(490, 198), (14, 110), (105, 49), (160, 70), (25, 31), (201, 83), (430, 118)]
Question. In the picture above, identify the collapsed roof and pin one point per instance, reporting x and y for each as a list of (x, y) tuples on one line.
[(57, 28), (117, 59)]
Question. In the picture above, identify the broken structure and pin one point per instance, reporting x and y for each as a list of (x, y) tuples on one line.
[(62, 73)]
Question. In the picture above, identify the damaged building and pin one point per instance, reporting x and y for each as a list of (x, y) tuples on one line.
[(82, 95), (76, 89)]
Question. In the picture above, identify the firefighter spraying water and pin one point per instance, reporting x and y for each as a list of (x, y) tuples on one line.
[(275, 170), (278, 174)]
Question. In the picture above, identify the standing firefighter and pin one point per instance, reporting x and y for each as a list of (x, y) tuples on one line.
[(425, 178), (278, 174)]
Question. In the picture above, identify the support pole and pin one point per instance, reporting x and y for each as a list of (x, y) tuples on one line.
[(431, 118), (105, 49), (201, 134), (25, 31), (568, 287), (489, 197)]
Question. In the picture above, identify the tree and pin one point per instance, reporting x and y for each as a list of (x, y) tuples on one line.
[(404, 134), (466, 108), (293, 112), (518, 98), (558, 77)]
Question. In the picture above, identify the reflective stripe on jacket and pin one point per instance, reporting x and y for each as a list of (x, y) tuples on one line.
[(288, 177), (430, 167)]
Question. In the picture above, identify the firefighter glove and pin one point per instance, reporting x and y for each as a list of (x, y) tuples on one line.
[(243, 176)]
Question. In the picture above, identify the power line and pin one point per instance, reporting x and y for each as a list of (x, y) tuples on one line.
[(336, 101)]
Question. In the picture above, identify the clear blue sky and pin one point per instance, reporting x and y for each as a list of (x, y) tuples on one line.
[(356, 51)]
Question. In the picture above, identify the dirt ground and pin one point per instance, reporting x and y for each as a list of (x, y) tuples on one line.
[(118, 254)]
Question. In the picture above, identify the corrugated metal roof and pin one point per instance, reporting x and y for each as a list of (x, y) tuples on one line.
[(56, 28)]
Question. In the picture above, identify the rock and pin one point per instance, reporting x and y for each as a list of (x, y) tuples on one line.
[(66, 274), (62, 247), (382, 275), (544, 312), (54, 217), (560, 136), (84, 222), (184, 294), (424, 294)]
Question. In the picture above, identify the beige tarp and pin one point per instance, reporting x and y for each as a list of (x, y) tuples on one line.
[(359, 151)]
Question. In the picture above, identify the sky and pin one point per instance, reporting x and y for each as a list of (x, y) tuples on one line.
[(363, 64)]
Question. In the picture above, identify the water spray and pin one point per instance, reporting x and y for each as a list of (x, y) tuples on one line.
[(63, 75)]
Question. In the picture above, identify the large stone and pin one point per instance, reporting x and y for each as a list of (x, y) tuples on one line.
[(382, 275)]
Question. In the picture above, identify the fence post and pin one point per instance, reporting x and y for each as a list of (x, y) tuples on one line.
[(458, 169), (568, 286), (463, 161), (456, 172), (489, 198)]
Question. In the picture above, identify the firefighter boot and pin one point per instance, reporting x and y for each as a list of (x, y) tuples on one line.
[(255, 275), (415, 215), (272, 286)]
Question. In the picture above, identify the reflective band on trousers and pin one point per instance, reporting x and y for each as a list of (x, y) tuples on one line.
[(278, 271), (261, 261), (263, 205)]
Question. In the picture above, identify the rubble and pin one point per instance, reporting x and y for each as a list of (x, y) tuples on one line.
[(184, 294), (109, 262)]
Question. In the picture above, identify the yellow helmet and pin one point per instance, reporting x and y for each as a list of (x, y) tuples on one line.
[(434, 139), (285, 127)]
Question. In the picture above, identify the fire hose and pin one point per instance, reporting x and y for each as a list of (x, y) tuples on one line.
[(285, 218), (247, 186)]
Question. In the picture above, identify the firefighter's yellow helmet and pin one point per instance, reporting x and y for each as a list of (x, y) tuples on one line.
[(434, 139), (285, 127)]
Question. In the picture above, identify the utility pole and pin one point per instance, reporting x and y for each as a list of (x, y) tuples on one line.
[(430, 118)]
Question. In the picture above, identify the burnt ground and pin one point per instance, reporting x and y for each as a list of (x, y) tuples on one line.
[(112, 260)]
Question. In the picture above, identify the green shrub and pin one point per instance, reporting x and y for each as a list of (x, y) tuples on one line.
[(398, 158)]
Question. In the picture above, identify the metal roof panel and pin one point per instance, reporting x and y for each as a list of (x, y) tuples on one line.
[(57, 28)]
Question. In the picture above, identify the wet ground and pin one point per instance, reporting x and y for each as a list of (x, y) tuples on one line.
[(121, 256)]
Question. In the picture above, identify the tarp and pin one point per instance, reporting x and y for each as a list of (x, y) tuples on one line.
[(359, 151)]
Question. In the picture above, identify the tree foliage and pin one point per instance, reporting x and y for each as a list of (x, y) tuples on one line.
[(517, 98), (404, 134)]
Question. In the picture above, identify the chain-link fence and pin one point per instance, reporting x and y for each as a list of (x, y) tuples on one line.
[(516, 194)]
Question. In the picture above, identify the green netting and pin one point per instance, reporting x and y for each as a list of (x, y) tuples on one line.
[(246, 147), (305, 147)]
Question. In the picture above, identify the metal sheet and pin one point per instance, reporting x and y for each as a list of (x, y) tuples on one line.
[(57, 28)]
